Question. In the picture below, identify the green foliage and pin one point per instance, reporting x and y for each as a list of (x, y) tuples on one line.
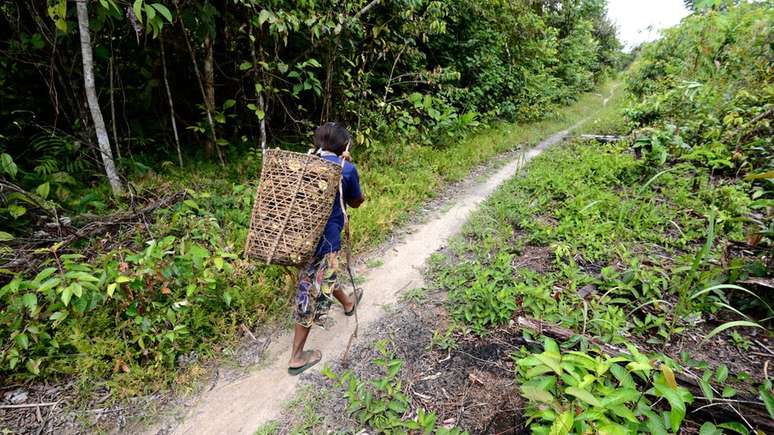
[(489, 299), (382, 405), (703, 91), (425, 71), (575, 392), (138, 310)]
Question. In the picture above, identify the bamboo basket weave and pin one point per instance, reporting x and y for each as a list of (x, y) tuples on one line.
[(294, 200)]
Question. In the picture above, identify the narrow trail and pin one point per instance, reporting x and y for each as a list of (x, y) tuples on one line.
[(243, 405)]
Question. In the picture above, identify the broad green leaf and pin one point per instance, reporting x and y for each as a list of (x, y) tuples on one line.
[(22, 340), (636, 366), (244, 66), (122, 279), (537, 371), (5, 237), (150, 11), (768, 399), (721, 374), (706, 389), (621, 396), (623, 376), (532, 392), (583, 395), (623, 412), (676, 403), (57, 10), (30, 300), (709, 429), (163, 11), (83, 276), (43, 190), (111, 288), (550, 346), (66, 295), (77, 289), (581, 359), (137, 9), (563, 424), (612, 429), (58, 317), (728, 392), (263, 16), (16, 210), (551, 361), (760, 176), (33, 366), (735, 426)]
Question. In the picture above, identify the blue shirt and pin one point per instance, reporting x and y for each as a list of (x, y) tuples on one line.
[(350, 185)]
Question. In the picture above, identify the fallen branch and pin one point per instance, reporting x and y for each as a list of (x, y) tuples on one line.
[(746, 405), (602, 138), (98, 225), (28, 405)]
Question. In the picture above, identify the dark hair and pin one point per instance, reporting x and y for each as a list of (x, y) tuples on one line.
[(332, 137)]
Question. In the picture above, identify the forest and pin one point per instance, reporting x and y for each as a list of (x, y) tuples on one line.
[(620, 282)]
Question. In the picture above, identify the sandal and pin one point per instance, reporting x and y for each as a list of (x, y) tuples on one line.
[(359, 296), (295, 371)]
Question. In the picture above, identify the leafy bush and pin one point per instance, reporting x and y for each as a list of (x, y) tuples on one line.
[(574, 392), (125, 309), (704, 92)]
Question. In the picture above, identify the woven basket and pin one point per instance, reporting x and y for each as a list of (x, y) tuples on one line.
[(294, 200)]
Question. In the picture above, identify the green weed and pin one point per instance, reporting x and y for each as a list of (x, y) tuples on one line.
[(575, 392), (381, 404)]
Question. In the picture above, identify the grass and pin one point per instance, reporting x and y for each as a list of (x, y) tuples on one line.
[(589, 208), (223, 294), (397, 183), (302, 413)]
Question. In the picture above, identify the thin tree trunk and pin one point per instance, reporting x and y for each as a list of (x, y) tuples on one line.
[(169, 97), (209, 86), (201, 85), (261, 103), (113, 111), (91, 96)]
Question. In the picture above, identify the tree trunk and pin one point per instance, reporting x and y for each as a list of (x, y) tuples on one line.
[(91, 96), (207, 107), (113, 108), (259, 95), (169, 97), (209, 87)]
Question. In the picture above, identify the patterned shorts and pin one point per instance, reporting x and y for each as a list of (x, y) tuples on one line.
[(314, 294)]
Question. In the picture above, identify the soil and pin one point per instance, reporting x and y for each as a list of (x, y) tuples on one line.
[(471, 386)]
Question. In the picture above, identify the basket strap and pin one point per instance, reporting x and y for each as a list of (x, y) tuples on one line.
[(290, 210)]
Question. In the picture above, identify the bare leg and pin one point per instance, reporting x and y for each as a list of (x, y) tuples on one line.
[(346, 301), (297, 355)]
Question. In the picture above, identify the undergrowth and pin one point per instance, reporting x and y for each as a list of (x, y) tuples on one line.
[(129, 311)]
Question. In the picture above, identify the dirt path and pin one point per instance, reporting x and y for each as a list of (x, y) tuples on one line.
[(241, 406)]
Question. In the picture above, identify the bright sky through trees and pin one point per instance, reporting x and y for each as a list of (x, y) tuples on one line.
[(640, 21)]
